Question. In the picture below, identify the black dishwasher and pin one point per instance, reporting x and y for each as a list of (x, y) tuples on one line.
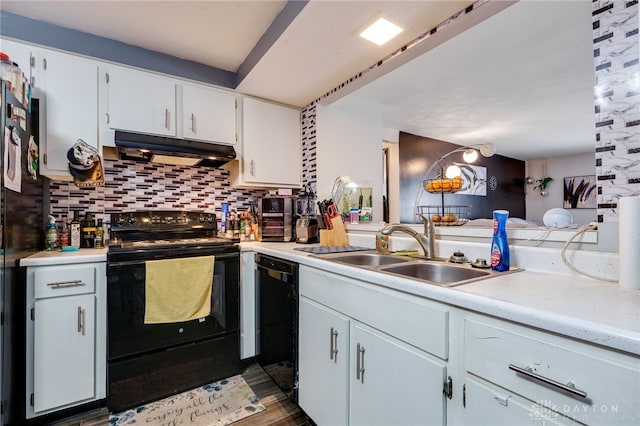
[(277, 317)]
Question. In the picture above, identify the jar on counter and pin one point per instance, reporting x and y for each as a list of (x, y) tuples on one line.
[(88, 232)]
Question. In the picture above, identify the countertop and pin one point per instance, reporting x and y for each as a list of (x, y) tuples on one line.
[(593, 311), (567, 304), (57, 257)]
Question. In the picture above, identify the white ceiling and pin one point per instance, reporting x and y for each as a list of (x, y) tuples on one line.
[(523, 79), (319, 50), (496, 94)]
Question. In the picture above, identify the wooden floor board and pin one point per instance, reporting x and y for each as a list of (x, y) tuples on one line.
[(279, 410)]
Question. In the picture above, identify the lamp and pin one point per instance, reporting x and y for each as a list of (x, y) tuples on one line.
[(470, 155), (339, 184)]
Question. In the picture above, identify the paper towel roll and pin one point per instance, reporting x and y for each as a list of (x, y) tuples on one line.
[(629, 253)]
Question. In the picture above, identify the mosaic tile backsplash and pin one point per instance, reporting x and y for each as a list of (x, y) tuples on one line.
[(140, 186), (617, 103)]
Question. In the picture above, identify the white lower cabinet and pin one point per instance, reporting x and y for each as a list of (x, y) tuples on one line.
[(369, 355), (66, 336), (351, 371), (323, 362), (64, 351), (548, 377), (392, 383)]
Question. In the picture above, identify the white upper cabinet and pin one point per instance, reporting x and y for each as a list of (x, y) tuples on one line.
[(18, 53), (68, 107), (139, 101), (208, 114), (271, 152), (67, 86)]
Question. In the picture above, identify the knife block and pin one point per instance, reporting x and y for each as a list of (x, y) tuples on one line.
[(334, 237)]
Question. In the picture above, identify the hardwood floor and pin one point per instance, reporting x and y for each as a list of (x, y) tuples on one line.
[(280, 411)]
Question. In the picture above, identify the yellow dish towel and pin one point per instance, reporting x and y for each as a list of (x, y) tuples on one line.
[(178, 289)]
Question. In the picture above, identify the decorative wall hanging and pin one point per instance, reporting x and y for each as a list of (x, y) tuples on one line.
[(580, 192), (474, 180)]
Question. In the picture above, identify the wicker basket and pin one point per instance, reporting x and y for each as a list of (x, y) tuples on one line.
[(446, 215)]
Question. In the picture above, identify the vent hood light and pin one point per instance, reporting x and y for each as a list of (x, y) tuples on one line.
[(381, 31), (175, 161)]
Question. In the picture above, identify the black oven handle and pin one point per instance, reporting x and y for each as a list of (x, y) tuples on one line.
[(142, 262)]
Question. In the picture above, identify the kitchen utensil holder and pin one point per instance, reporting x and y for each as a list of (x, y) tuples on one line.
[(334, 237)]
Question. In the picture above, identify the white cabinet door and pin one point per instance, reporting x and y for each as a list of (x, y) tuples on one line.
[(271, 143), (69, 91), (323, 362), (18, 53), (208, 114), (64, 351), (392, 383), (140, 101)]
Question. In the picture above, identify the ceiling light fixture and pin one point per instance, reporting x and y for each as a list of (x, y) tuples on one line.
[(381, 31)]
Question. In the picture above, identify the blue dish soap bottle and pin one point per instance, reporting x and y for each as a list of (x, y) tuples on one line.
[(500, 245)]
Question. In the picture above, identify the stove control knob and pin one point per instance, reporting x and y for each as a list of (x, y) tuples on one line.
[(210, 218), (131, 220), (168, 220), (201, 218), (119, 221)]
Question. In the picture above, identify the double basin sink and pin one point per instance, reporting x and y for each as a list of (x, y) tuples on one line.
[(431, 271)]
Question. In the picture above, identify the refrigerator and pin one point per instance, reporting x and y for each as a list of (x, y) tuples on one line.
[(23, 194)]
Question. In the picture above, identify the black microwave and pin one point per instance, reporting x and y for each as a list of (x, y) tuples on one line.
[(275, 219)]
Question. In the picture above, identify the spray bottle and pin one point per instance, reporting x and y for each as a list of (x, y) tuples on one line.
[(500, 245), (51, 236)]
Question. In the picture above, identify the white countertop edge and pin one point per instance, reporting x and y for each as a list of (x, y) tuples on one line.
[(47, 258), (622, 339)]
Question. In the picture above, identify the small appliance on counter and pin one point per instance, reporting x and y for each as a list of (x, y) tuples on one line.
[(275, 219), (306, 222)]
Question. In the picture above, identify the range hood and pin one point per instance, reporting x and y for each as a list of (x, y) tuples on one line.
[(174, 151)]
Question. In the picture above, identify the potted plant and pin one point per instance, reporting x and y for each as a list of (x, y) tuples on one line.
[(542, 185)]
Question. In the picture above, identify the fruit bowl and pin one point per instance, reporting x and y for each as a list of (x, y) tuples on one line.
[(445, 215), (443, 185)]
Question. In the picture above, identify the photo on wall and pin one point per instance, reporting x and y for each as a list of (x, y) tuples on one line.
[(580, 192)]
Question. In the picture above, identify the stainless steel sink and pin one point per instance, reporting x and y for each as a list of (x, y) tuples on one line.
[(430, 271), (438, 273), (366, 259)]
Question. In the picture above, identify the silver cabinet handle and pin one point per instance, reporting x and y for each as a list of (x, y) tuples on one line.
[(66, 284), (106, 77), (167, 117), (251, 168), (333, 346), (569, 387), (193, 124), (80, 320), (107, 118), (360, 363), (44, 64)]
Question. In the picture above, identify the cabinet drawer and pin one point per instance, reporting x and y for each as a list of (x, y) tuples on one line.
[(419, 322), (65, 280), (490, 405), (539, 370)]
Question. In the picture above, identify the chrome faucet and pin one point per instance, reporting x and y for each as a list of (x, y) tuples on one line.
[(425, 240)]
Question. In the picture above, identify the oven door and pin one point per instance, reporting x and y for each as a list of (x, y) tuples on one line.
[(129, 335), (147, 362)]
